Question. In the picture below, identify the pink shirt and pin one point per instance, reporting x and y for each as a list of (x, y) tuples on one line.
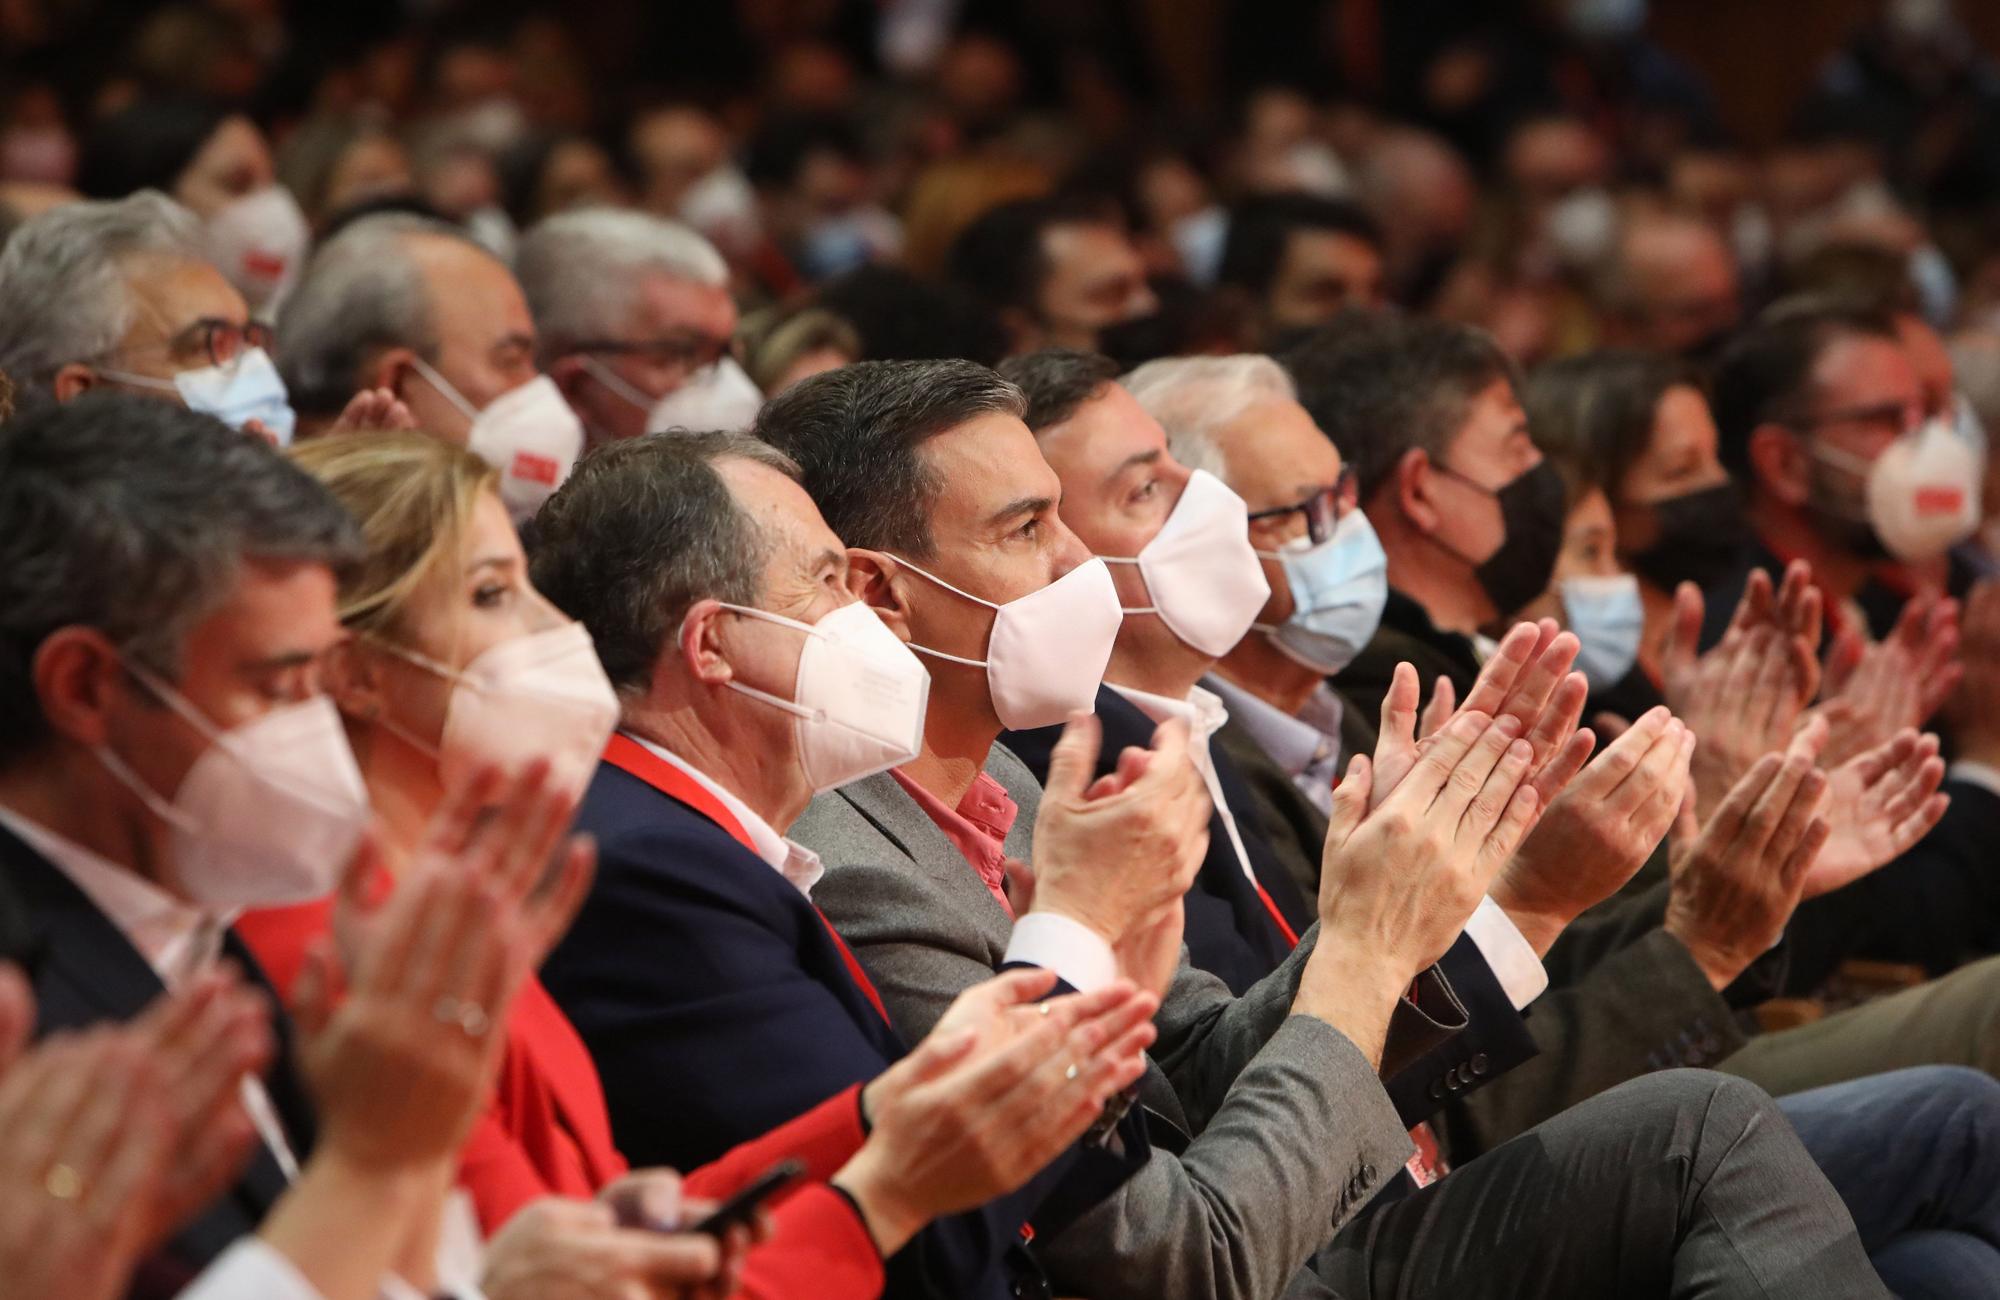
[(977, 828)]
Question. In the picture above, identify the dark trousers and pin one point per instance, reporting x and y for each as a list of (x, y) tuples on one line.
[(1680, 1184)]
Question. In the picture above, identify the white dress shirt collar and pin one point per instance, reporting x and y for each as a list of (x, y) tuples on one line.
[(1292, 742), (795, 862), (176, 938)]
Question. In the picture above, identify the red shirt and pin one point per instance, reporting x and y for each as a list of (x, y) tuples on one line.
[(977, 828)]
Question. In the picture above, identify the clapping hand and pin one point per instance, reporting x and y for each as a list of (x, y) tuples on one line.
[(1878, 806), (1875, 690)]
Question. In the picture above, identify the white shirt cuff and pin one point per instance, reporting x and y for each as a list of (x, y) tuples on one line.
[(250, 1270), (1511, 957), (1983, 775), (1074, 951)]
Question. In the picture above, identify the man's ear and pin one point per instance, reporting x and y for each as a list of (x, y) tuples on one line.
[(1779, 463), (699, 645), (76, 674), (391, 368), (72, 381), (354, 680), (878, 582), (1411, 482)]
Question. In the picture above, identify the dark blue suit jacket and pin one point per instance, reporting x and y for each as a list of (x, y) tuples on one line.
[(86, 972), (1231, 934), (717, 1006)]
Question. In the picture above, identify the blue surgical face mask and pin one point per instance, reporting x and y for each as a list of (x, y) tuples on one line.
[(235, 392), (1608, 619), (1338, 589)]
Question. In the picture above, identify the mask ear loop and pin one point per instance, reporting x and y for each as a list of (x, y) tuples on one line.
[(444, 387), (619, 387), (939, 654), (1124, 609)]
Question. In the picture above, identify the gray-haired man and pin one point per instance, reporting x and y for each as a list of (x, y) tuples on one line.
[(635, 320)]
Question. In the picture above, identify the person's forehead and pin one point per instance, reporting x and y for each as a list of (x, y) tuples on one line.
[(272, 609), (1086, 247), (779, 507), (1926, 350), (178, 290), (1865, 368), (1103, 434), (470, 286), (668, 305), (1275, 436), (1492, 416), (984, 465), (1590, 514), (1681, 420), (1309, 246)]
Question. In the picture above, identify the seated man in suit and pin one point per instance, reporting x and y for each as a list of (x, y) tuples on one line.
[(954, 537), (1636, 1011), (714, 998), (166, 605)]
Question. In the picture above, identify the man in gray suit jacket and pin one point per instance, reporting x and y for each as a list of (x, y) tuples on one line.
[(1680, 1184)]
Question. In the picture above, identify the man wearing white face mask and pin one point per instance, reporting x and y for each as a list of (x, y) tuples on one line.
[(418, 308), (169, 759), (1289, 1129), (121, 294), (750, 679), (634, 320)]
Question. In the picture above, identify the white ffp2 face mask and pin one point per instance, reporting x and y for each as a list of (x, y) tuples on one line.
[(722, 396), (1609, 621), (269, 814), (542, 695), (259, 243), (1046, 654), (528, 433), (1922, 492), (1206, 583), (1338, 590), (859, 695)]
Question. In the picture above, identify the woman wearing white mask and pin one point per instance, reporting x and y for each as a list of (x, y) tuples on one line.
[(218, 165), (457, 660)]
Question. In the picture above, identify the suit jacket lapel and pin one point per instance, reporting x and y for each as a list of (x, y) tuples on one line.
[(890, 810)]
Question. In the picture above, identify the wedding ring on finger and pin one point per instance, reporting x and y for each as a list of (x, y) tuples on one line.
[(1070, 1074), (63, 1183), (470, 1017)]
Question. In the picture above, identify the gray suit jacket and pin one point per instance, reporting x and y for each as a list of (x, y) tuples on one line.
[(1624, 996), (1294, 1132)]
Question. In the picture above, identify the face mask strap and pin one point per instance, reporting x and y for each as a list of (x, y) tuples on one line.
[(131, 380), (619, 388), (932, 577), (122, 772), (445, 388)]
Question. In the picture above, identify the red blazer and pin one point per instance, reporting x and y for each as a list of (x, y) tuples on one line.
[(546, 1133)]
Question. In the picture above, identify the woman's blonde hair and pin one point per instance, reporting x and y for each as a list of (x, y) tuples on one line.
[(414, 498)]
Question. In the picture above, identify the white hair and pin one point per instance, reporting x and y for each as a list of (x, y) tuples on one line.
[(581, 270), (361, 292), (64, 285), (1193, 397)]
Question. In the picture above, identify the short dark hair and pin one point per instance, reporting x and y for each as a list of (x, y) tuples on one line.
[(1056, 381), (641, 530), (131, 515), (999, 256), (1766, 372), (1381, 384), (856, 433), (1261, 228), (901, 316), (1593, 414)]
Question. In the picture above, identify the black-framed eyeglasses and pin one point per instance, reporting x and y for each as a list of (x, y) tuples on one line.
[(688, 353), (1895, 417), (1323, 510)]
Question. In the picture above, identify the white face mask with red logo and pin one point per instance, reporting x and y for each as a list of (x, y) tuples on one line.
[(529, 434), (1922, 492), (259, 241)]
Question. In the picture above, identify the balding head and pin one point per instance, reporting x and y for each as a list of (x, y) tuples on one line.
[(1671, 285)]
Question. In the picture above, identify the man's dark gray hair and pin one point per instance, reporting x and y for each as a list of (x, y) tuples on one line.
[(1056, 381), (641, 530), (1381, 385), (857, 434), (131, 515), (362, 292)]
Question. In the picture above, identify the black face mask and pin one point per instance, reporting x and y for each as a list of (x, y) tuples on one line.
[(1701, 536), (1531, 509)]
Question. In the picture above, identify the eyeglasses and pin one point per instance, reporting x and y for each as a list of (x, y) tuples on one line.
[(212, 340), (1896, 418), (1323, 510), (685, 354)]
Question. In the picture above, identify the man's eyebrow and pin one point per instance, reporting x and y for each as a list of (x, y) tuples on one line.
[(1151, 457), (1020, 506), (278, 663), (827, 556)]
